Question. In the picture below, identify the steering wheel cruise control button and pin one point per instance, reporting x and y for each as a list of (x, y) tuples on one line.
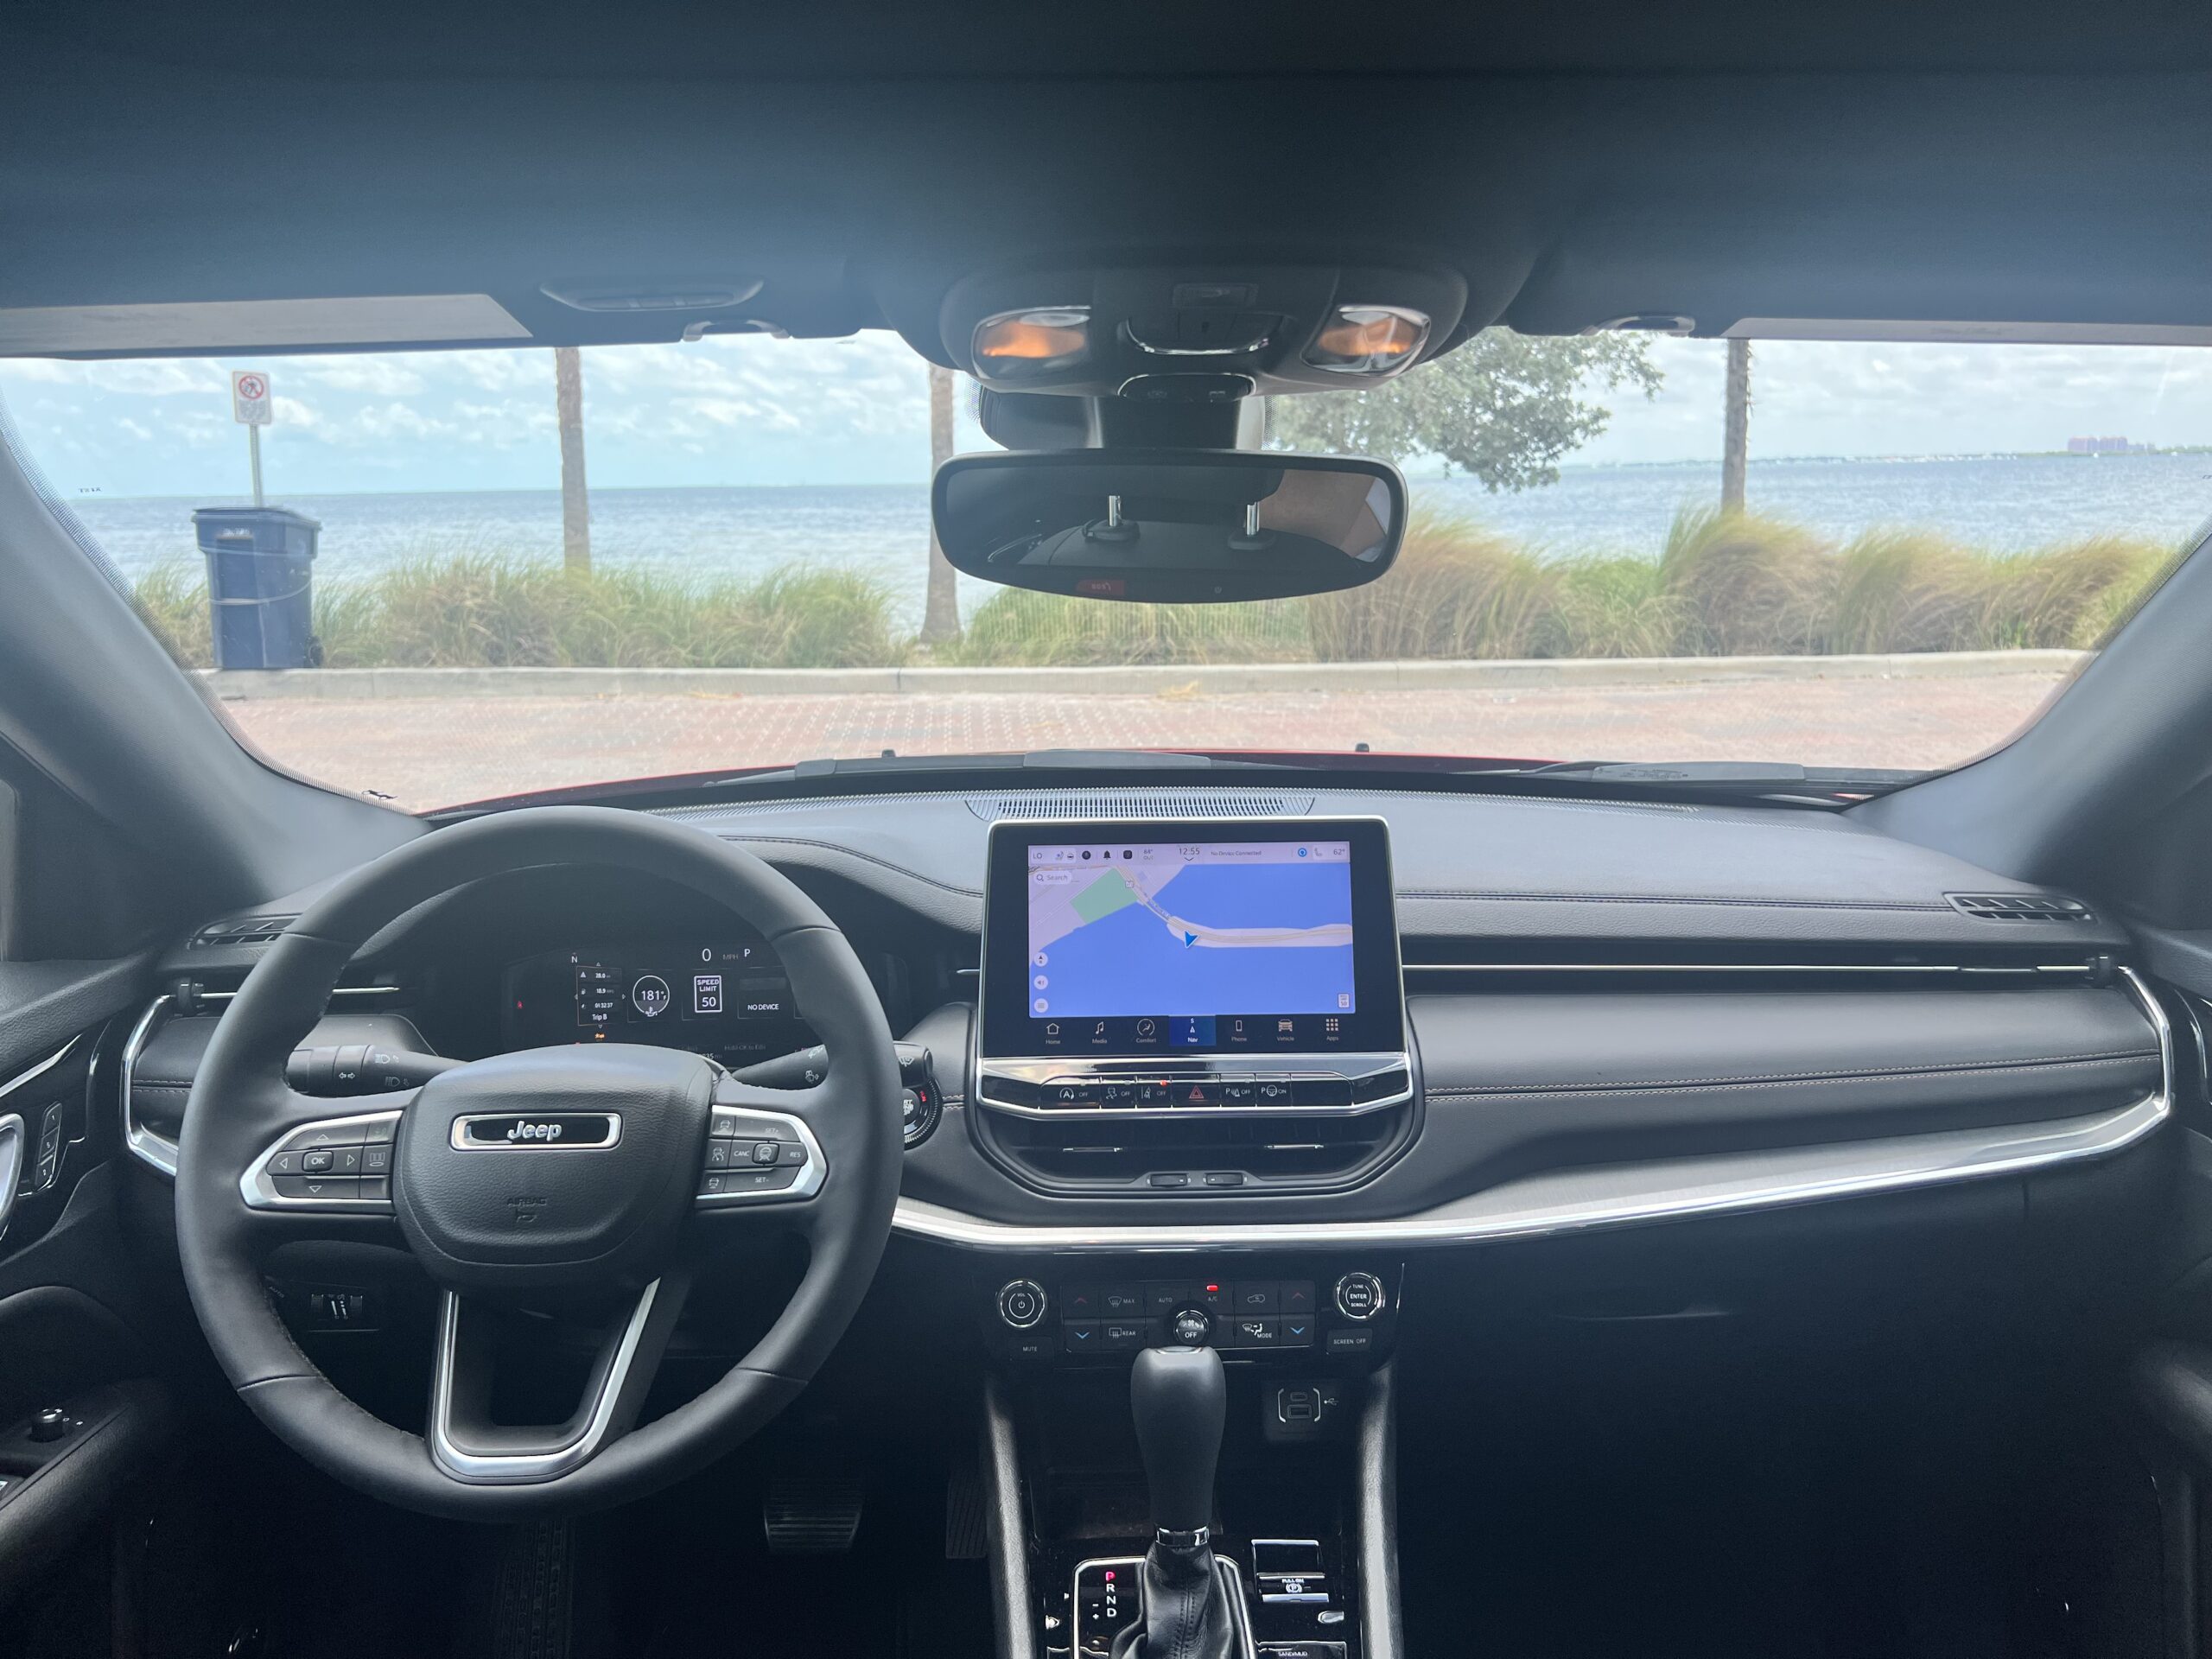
[(758, 1154)]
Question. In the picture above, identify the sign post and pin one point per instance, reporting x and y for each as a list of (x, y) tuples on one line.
[(251, 407)]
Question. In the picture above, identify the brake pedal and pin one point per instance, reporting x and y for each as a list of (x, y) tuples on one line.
[(814, 1513)]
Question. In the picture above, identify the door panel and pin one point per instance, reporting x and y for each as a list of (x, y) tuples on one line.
[(71, 1314)]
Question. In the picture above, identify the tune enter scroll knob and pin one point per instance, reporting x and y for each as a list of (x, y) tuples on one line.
[(1359, 1296)]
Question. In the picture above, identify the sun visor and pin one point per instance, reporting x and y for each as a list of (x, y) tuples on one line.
[(257, 325)]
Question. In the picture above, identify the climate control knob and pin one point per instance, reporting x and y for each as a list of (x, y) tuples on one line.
[(1021, 1303), (1359, 1296)]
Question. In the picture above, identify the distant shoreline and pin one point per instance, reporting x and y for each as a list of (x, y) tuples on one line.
[(1574, 468)]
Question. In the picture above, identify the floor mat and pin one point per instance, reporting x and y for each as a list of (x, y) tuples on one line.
[(1582, 1520)]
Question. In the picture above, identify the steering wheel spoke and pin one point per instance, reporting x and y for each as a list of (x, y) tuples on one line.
[(335, 1165), (468, 1445)]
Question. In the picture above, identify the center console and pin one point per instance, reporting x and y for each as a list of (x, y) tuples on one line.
[(1300, 1337), (1206, 1009), (1192, 1008), (1301, 1507)]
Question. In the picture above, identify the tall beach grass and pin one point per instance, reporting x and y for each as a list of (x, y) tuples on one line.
[(1723, 584)]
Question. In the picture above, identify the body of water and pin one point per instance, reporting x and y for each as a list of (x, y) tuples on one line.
[(2003, 503)]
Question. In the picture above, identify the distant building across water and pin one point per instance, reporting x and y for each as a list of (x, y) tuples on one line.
[(2108, 446)]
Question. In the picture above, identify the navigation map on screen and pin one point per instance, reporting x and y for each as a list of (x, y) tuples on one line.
[(1198, 928)]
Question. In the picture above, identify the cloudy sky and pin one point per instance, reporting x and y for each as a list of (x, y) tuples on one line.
[(754, 410)]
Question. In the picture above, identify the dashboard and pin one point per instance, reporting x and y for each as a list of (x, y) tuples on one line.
[(1336, 1017), (1365, 1090)]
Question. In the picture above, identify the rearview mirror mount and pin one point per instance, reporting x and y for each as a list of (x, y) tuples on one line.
[(1170, 526)]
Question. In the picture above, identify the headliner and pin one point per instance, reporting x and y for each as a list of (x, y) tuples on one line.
[(1908, 159)]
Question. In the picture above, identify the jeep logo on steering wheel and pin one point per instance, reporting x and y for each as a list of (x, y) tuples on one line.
[(556, 1131)]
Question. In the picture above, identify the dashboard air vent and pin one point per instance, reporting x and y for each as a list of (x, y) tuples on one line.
[(2018, 908), (1141, 803), (243, 930)]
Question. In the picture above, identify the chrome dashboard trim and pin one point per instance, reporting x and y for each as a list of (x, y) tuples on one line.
[(14, 1137), (1580, 1200), (2055, 971), (336, 991), (157, 1150), (31, 1074)]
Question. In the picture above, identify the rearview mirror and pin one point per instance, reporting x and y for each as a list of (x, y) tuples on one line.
[(1178, 526)]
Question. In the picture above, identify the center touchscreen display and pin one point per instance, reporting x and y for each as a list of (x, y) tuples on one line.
[(1198, 929), (1220, 942)]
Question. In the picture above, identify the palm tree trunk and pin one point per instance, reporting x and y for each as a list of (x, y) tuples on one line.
[(1736, 429), (576, 499), (941, 610)]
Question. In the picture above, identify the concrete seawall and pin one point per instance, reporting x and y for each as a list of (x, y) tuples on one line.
[(358, 684)]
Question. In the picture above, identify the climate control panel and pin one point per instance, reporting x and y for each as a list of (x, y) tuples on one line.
[(1248, 1309)]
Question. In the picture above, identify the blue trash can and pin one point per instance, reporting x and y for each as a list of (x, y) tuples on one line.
[(260, 585)]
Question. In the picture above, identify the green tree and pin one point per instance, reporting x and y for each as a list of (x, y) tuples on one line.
[(1502, 407)]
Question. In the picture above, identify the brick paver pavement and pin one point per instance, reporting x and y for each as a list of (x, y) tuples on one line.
[(434, 751)]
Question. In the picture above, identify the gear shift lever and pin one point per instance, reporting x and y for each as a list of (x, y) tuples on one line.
[(1193, 1605), (1180, 1398)]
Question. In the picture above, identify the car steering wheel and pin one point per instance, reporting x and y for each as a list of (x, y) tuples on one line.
[(589, 1169)]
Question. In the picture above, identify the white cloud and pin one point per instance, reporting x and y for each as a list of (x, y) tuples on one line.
[(385, 377), (749, 409)]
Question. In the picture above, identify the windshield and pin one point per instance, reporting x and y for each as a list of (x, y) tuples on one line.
[(500, 571)]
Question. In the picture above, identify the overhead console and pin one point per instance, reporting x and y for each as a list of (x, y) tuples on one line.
[(1208, 1007)]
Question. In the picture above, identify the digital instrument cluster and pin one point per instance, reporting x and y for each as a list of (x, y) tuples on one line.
[(729, 997)]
